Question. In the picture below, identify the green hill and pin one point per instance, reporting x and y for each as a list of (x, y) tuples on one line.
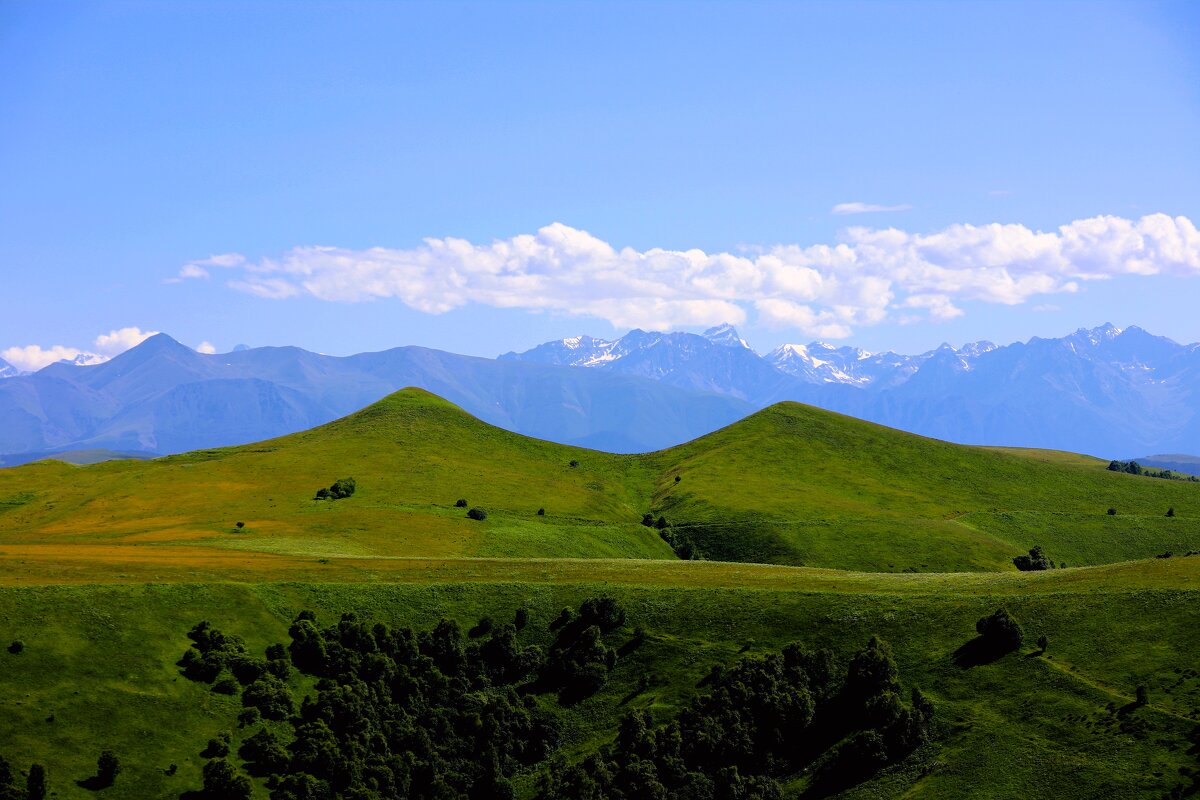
[(105, 568), (789, 485)]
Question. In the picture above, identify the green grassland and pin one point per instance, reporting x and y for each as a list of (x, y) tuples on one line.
[(99, 659), (789, 485), (816, 528)]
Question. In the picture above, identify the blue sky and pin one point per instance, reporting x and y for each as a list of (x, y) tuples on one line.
[(137, 139)]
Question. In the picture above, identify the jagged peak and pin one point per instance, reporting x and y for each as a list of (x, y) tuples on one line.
[(725, 334)]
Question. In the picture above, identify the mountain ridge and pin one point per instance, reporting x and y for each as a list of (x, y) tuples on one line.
[(1106, 391)]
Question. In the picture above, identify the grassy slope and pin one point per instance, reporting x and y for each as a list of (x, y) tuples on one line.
[(791, 485), (99, 658), (104, 568)]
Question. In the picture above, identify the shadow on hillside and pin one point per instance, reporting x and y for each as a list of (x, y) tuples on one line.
[(94, 783), (976, 653)]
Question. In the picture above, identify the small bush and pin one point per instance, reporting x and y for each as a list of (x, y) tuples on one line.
[(1001, 631), (1036, 560), (16, 647), (108, 767), (1170, 512), (1143, 697), (460, 503), (541, 512), (661, 523), (218, 746), (1043, 642), (678, 479), (239, 525), (522, 618), (574, 463), (648, 520), (341, 489), (226, 686), (477, 514), (1112, 512)]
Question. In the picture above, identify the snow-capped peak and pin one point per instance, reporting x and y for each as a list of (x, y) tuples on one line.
[(726, 335)]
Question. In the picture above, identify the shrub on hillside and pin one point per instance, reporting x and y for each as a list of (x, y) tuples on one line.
[(477, 514), (1036, 560), (460, 503), (1000, 631), (108, 767), (341, 489), (1112, 512)]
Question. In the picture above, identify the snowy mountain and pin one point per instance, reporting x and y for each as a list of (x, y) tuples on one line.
[(7, 370), (1105, 390), (717, 360)]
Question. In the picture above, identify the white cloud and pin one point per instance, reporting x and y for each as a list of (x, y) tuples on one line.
[(199, 269), (866, 208), (825, 290), (193, 271), (106, 345), (32, 357), (118, 341), (206, 348)]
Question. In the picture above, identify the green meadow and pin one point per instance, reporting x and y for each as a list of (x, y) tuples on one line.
[(812, 527)]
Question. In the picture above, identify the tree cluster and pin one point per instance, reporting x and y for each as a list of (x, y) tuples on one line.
[(1134, 468), (764, 719), (341, 488), (679, 540), (12, 787), (579, 660), (397, 713), (1036, 560)]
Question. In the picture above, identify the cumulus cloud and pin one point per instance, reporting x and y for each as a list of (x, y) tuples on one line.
[(866, 208), (118, 341), (33, 357), (199, 269), (825, 290)]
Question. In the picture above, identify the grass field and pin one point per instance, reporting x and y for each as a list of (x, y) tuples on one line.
[(789, 485), (104, 568)]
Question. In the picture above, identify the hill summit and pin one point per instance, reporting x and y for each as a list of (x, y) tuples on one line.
[(791, 484)]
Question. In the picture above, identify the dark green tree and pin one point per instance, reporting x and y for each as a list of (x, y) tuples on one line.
[(35, 783), (222, 782), (1000, 631), (108, 767)]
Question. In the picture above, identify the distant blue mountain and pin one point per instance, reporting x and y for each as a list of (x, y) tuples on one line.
[(1106, 391), (163, 397), (7, 370)]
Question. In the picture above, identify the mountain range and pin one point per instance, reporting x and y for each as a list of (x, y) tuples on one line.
[(1105, 391), (164, 397)]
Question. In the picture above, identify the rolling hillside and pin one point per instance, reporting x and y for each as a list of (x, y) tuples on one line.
[(104, 569), (789, 485)]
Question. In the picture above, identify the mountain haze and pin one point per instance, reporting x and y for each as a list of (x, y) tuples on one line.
[(1105, 391), (164, 397)]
